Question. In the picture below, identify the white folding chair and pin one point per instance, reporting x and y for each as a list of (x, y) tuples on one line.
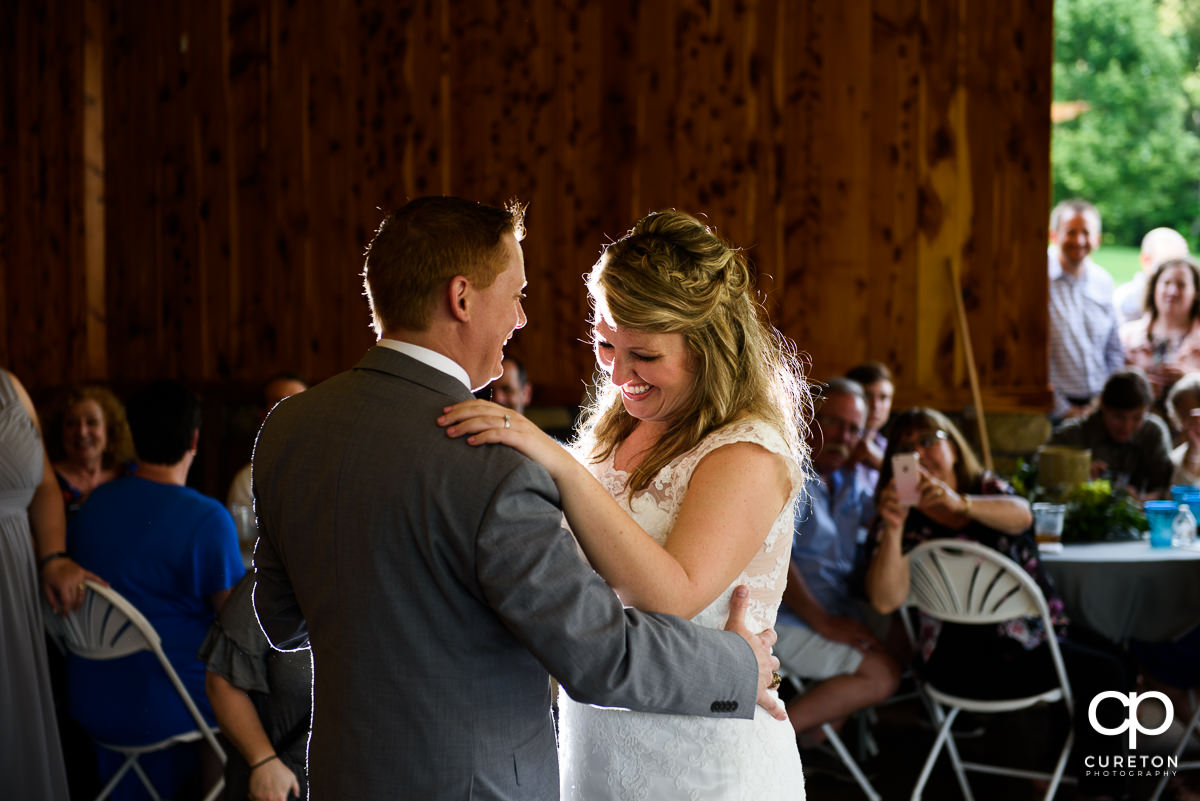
[(107, 626), (964, 582), (1192, 730), (835, 741)]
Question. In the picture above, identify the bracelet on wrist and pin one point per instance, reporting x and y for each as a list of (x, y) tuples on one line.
[(966, 510), (50, 557), (262, 762)]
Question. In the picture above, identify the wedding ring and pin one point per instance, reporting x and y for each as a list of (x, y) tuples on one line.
[(776, 680), (507, 424), (81, 586)]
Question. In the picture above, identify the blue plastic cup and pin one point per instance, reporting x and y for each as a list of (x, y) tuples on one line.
[(1181, 493), (1160, 515)]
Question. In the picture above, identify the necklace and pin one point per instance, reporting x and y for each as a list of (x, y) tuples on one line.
[(1164, 345)]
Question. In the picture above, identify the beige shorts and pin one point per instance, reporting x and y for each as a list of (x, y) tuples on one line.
[(804, 653)]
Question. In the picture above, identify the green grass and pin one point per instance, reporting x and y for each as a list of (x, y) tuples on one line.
[(1120, 261)]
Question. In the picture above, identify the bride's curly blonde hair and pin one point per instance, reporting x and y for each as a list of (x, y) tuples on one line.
[(673, 274)]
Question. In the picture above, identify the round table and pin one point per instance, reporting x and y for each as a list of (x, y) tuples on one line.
[(1127, 590)]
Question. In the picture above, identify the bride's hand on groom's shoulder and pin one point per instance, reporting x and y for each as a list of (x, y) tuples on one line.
[(768, 664), (483, 423)]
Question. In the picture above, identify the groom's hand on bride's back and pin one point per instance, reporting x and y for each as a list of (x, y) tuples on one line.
[(761, 643)]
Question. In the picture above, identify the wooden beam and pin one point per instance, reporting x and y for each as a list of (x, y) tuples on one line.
[(96, 319)]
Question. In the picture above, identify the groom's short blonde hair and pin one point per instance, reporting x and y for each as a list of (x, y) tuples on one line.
[(422, 245)]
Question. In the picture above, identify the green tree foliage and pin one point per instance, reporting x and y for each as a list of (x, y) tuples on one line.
[(1184, 16), (1135, 152)]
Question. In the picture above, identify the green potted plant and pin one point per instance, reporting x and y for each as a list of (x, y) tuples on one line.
[(1095, 512)]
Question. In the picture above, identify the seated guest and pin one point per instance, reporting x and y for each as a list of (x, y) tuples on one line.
[(1183, 410), (173, 554), (1157, 246), (876, 380), (512, 389), (1165, 342), (958, 499), (96, 445), (89, 439), (821, 634), (262, 699), (1129, 445), (278, 387)]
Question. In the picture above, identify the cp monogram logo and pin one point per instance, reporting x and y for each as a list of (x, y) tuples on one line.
[(1133, 724)]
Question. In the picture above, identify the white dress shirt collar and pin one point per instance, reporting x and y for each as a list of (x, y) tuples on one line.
[(429, 357), (1085, 274)]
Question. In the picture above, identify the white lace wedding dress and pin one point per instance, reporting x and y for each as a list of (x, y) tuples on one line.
[(619, 755)]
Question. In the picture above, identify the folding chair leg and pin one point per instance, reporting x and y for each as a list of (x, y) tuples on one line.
[(216, 790), (849, 762), (867, 745), (938, 742), (146, 781), (959, 771), (130, 761), (1183, 741), (1060, 766)]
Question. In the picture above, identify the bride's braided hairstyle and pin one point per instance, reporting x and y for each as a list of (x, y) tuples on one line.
[(673, 274)]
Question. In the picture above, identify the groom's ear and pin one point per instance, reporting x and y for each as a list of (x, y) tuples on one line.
[(459, 296)]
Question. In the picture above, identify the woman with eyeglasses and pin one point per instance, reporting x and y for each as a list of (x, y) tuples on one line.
[(958, 499)]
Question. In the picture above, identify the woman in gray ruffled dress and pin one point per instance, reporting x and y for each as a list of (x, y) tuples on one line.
[(31, 763)]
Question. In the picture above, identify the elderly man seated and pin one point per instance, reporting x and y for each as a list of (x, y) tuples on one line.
[(1129, 446), (820, 632)]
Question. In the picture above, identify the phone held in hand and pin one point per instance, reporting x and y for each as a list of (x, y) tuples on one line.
[(906, 476)]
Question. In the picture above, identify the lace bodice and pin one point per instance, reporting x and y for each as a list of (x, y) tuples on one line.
[(620, 755), (656, 508)]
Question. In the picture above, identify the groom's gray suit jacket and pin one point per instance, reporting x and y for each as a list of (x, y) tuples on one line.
[(437, 588)]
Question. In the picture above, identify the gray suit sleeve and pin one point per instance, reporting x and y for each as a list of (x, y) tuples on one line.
[(274, 600), (563, 612)]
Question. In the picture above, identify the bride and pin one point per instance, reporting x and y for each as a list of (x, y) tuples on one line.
[(688, 464)]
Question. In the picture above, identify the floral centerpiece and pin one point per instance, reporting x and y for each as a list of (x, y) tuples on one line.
[(1095, 512)]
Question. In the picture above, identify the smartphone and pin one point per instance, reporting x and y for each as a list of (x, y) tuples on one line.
[(906, 474)]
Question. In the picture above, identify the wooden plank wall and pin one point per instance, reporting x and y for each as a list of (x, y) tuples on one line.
[(42, 287), (861, 150)]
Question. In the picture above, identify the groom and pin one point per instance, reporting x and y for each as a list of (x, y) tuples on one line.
[(434, 580)]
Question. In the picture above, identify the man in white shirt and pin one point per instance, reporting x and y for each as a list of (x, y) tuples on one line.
[(278, 387), (1158, 246), (1084, 348)]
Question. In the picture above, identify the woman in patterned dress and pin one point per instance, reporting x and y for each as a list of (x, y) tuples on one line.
[(959, 499)]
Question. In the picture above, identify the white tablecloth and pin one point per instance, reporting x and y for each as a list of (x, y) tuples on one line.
[(1127, 590)]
